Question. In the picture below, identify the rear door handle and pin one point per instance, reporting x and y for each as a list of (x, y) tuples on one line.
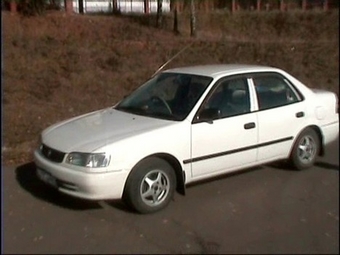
[(249, 125), (299, 114)]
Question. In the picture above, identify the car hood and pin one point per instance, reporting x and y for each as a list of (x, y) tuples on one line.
[(95, 130)]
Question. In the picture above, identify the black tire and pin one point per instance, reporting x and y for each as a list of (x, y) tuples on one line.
[(150, 186), (305, 150)]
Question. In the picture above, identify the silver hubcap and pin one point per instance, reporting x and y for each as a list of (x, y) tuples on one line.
[(155, 188), (306, 149)]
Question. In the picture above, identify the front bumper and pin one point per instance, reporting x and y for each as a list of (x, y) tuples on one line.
[(93, 186)]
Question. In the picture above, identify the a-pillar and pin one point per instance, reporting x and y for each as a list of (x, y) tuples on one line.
[(68, 6)]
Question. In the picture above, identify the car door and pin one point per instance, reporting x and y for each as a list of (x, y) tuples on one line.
[(224, 131), (281, 115)]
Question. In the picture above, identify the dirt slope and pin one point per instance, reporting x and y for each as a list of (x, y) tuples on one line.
[(58, 66)]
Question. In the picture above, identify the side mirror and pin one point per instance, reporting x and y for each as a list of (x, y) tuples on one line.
[(209, 115)]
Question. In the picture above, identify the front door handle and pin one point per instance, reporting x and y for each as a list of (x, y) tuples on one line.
[(299, 114), (249, 125)]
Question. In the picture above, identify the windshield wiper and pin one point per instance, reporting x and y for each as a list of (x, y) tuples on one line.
[(131, 109), (161, 115), (146, 112)]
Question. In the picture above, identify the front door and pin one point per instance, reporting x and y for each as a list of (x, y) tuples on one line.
[(227, 138)]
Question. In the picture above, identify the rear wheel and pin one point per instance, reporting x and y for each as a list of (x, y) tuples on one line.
[(150, 186), (305, 150)]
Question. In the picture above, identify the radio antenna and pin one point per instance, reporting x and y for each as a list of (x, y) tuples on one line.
[(176, 55)]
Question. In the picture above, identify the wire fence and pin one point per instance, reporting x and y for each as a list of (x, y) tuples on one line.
[(150, 6)]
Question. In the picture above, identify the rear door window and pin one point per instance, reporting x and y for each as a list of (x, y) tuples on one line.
[(274, 91)]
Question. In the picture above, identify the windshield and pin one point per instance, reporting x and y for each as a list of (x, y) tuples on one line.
[(167, 96)]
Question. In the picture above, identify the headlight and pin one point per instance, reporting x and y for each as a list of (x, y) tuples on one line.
[(88, 159)]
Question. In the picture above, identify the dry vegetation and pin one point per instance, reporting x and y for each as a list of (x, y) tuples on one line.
[(58, 66)]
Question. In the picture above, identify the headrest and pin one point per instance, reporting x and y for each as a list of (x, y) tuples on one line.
[(238, 95)]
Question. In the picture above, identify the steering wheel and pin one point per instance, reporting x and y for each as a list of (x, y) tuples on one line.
[(229, 110), (165, 103)]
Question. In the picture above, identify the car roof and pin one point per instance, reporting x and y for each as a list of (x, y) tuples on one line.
[(221, 69)]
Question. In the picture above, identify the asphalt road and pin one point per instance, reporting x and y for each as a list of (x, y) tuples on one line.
[(262, 210)]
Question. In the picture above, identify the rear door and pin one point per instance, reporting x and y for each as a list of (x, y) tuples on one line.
[(281, 115)]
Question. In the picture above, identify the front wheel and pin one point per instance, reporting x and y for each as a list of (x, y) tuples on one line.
[(150, 186), (305, 150)]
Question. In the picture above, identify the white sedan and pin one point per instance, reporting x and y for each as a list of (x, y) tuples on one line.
[(184, 125)]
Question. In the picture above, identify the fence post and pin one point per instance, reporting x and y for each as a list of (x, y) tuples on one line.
[(81, 6), (146, 7), (282, 5), (115, 6), (207, 6), (192, 19), (13, 7), (233, 6), (325, 5), (68, 6), (258, 5)]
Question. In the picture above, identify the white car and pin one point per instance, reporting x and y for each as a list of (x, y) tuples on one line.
[(184, 125)]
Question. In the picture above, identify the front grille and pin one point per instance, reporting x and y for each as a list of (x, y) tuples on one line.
[(52, 154)]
